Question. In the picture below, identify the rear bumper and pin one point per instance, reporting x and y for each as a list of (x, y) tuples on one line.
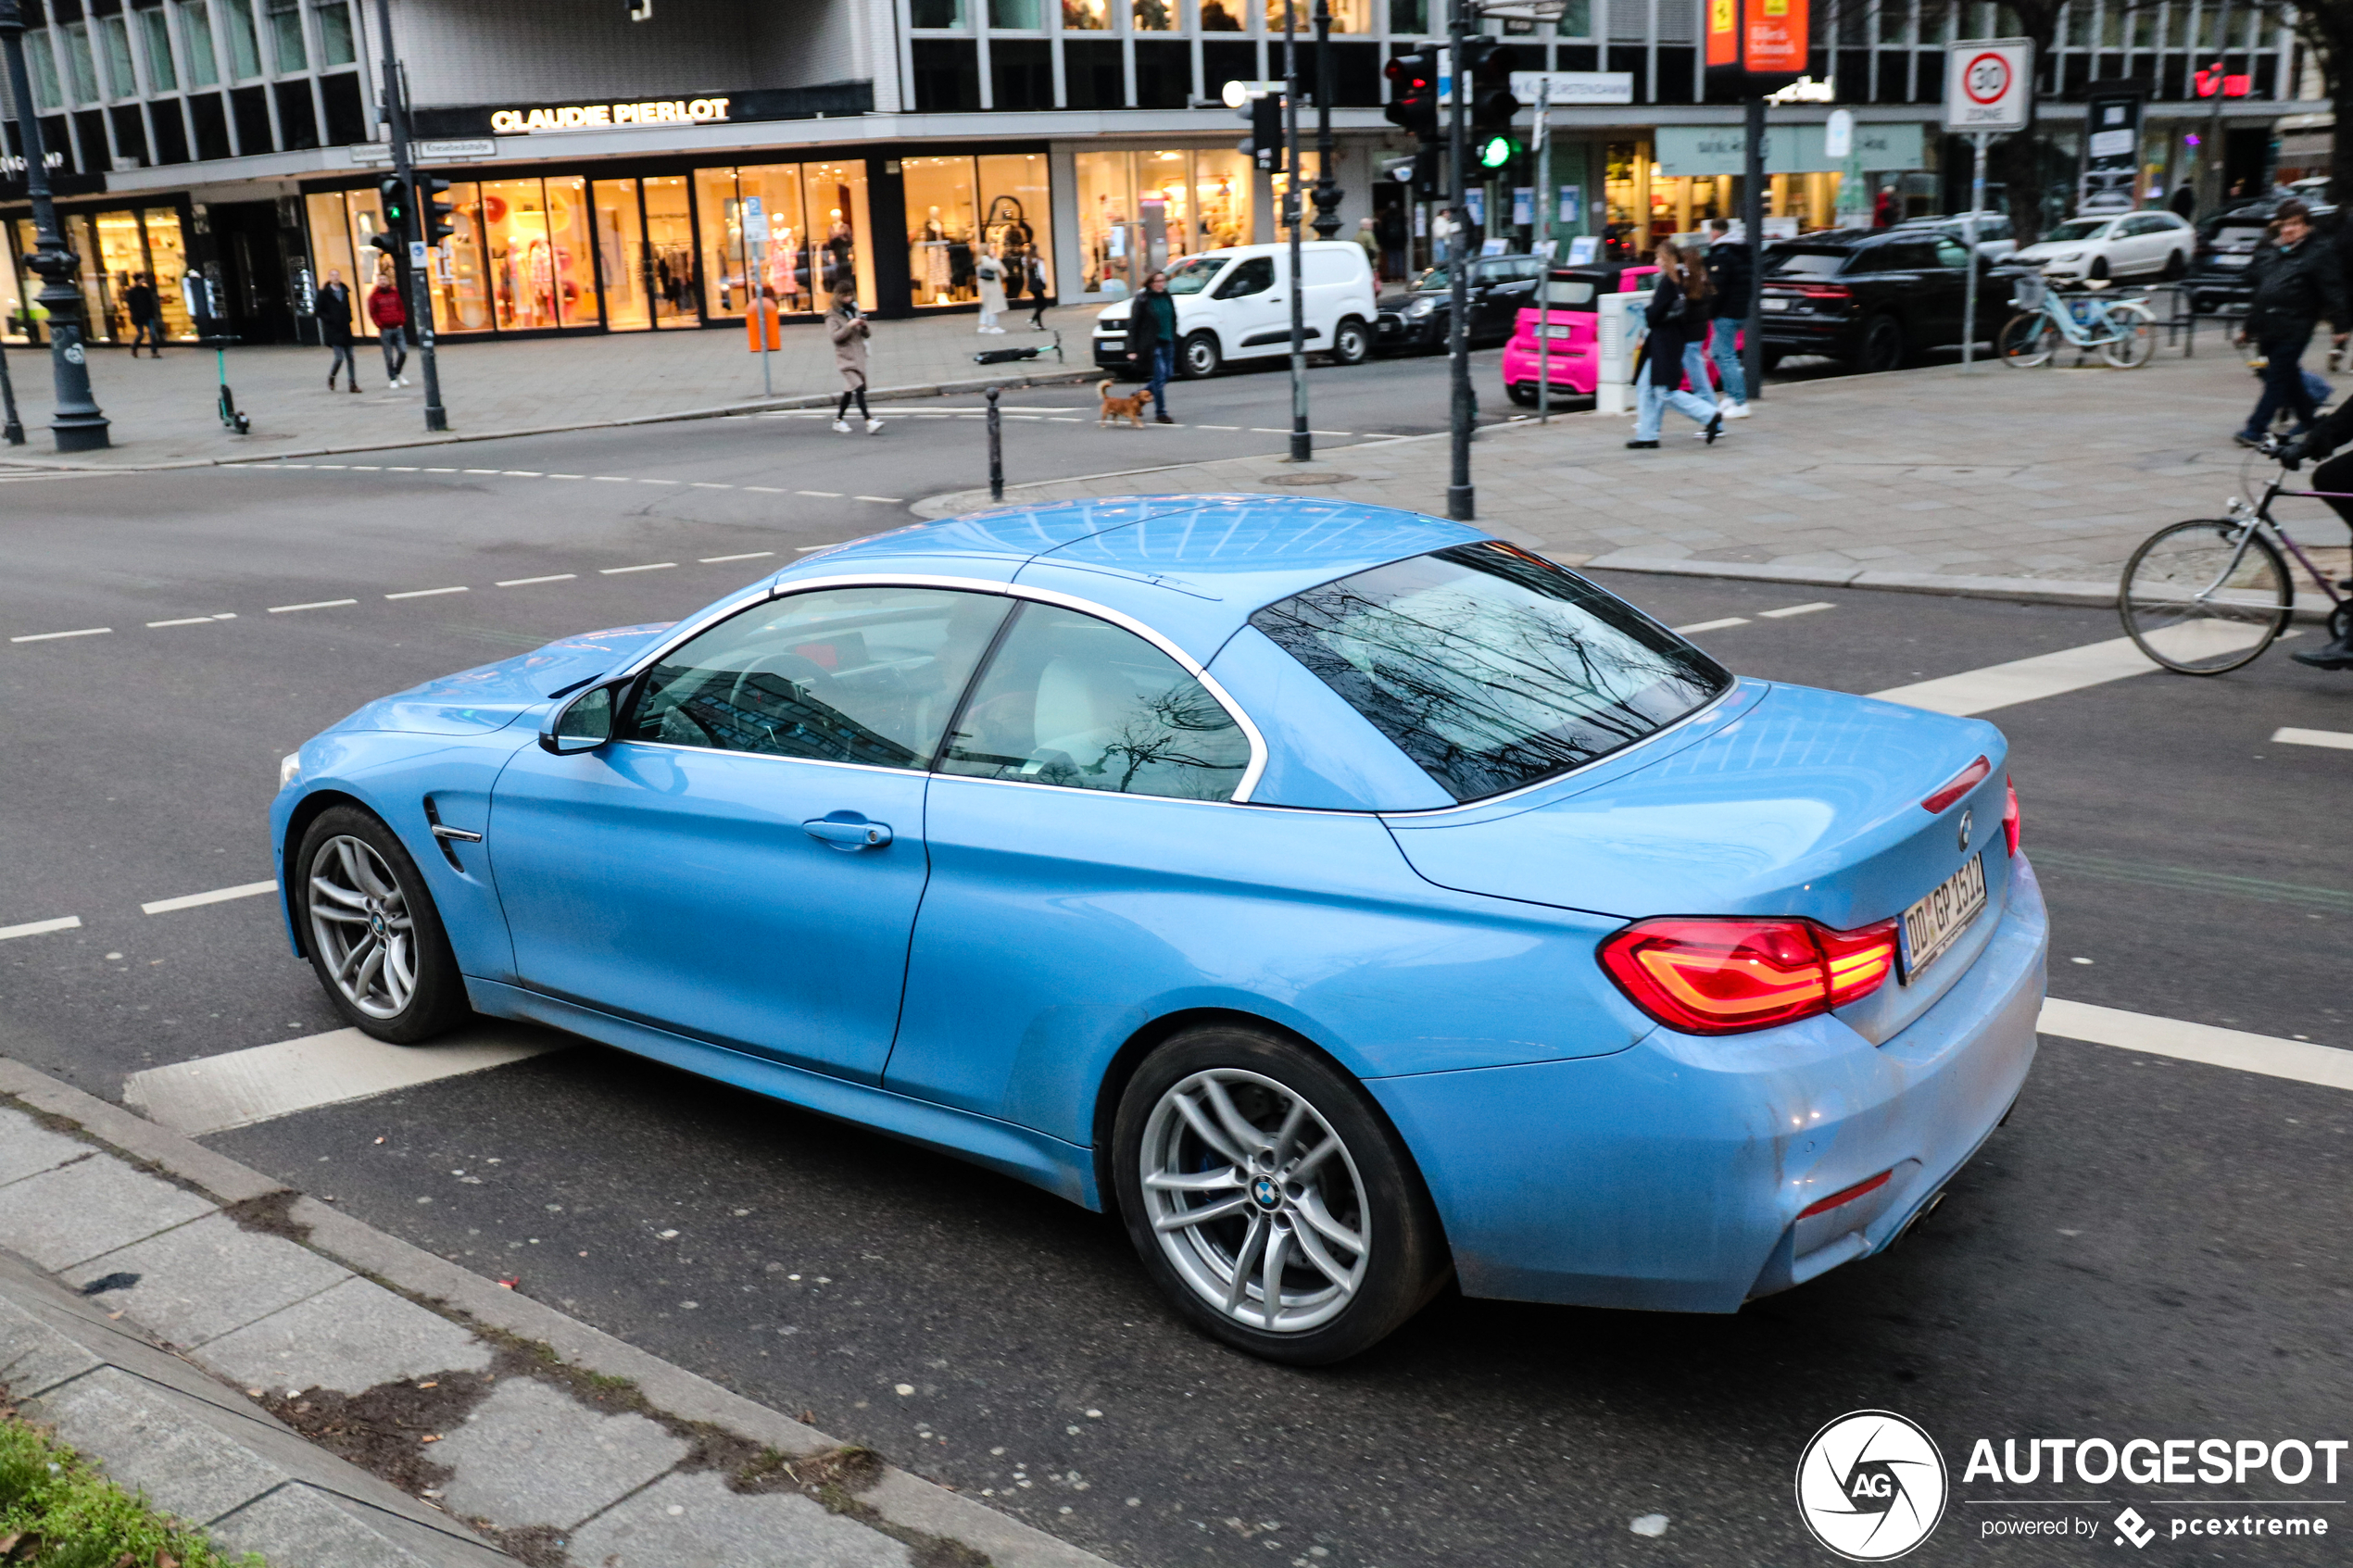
[(1669, 1176), (1572, 368), (1799, 336)]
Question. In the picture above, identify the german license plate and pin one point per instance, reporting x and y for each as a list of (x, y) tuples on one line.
[(1930, 925), (2226, 260), (1772, 302)]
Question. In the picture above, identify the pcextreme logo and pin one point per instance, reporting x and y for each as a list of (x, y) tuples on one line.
[(1871, 1485)]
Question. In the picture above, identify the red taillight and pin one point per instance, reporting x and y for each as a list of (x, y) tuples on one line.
[(1960, 783), (2012, 823), (1723, 976), (1846, 1194), (1825, 291)]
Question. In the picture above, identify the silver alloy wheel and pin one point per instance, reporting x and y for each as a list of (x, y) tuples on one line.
[(1255, 1201), (359, 919)]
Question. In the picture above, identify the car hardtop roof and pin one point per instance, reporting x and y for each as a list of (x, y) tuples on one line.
[(1193, 567)]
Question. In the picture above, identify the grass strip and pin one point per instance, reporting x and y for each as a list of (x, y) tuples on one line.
[(59, 1510)]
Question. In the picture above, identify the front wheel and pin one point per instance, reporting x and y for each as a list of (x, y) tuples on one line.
[(2203, 597), (1352, 342), (1198, 357), (374, 936), (2134, 343), (1271, 1199), (2177, 267), (2027, 339)]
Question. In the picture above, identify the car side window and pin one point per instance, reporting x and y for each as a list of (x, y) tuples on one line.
[(1254, 276), (1072, 701), (834, 675), (1951, 251)]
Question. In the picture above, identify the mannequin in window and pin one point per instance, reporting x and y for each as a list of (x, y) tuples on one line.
[(990, 276), (932, 258)]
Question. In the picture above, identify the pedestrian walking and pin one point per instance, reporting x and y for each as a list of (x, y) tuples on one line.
[(1883, 214), (391, 320), (1677, 312), (1034, 267), (1389, 224), (1730, 267), (1151, 339), (333, 312), (989, 274), (147, 317), (2182, 203), (1369, 238), (849, 330), (2297, 282)]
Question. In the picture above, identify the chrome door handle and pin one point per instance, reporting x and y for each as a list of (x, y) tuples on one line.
[(848, 832)]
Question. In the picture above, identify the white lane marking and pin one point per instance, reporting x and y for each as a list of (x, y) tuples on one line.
[(1267, 430), (400, 468), (747, 555), (2070, 670), (1331, 433), (441, 470), (425, 593), (657, 481), (804, 550), (53, 636), (1795, 609), (650, 566), (314, 604), (824, 495), (520, 473), (341, 466), (481, 470), (1698, 626), (226, 615), (207, 620), (2337, 740), (2301, 1060), (37, 927), (1230, 427), (526, 581), (768, 489), (367, 468), (289, 466), (610, 479), (886, 500), (567, 476), (239, 1089), (705, 484), (217, 895)]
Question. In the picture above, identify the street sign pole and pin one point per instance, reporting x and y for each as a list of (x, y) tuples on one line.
[(1546, 203), (396, 85), (1976, 262), (1753, 231), (1989, 88), (76, 423)]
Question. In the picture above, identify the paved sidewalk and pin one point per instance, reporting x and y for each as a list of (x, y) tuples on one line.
[(163, 410), (2002, 480), (189, 1322)]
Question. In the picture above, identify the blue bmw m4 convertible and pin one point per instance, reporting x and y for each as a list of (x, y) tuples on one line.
[(1347, 899)]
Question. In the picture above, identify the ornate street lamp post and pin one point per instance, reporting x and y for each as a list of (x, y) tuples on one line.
[(77, 424), (1326, 189)]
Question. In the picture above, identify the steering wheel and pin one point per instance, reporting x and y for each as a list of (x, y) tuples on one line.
[(805, 675)]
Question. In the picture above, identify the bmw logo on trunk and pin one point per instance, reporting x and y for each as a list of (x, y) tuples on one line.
[(1965, 828)]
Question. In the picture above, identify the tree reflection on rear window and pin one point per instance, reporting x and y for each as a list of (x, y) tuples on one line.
[(1490, 667)]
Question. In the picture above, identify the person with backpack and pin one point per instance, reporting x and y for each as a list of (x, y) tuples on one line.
[(391, 322)]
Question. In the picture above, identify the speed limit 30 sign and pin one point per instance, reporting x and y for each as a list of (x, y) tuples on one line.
[(1989, 85)]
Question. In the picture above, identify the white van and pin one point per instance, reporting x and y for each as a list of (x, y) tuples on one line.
[(1234, 304)]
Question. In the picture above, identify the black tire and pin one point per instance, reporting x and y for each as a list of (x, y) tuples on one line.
[(435, 996), (1351, 341), (1198, 357), (2341, 622), (1522, 393), (2098, 269), (1771, 361), (1369, 1187), (2154, 599), (2027, 339), (1882, 346), (2177, 267)]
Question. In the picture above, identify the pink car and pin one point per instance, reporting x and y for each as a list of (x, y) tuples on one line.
[(1573, 321)]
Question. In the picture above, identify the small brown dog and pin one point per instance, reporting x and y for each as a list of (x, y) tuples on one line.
[(1130, 408)]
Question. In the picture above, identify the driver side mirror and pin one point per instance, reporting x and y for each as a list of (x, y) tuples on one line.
[(584, 724)]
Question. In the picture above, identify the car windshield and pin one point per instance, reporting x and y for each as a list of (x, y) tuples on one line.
[(1805, 263), (2080, 229), (1433, 279), (1492, 668), (1194, 273)]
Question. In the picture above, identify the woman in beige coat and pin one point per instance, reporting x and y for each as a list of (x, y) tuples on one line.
[(850, 330)]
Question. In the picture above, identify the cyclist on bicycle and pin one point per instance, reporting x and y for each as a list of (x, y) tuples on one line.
[(2334, 476), (2297, 283)]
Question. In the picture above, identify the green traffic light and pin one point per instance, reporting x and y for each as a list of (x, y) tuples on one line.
[(1496, 151)]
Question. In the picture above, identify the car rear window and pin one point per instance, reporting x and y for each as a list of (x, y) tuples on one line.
[(1805, 263), (1492, 668)]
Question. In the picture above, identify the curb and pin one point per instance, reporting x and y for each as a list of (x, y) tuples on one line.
[(898, 1499), (451, 438)]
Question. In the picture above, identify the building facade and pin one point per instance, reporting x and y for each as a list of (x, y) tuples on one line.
[(612, 174)]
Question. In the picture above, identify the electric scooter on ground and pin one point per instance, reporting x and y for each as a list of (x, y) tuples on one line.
[(1014, 356)]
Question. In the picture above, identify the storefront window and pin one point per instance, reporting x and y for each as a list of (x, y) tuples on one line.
[(244, 45), (781, 265), (941, 219), (937, 14), (168, 263), (670, 239), (196, 44), (1016, 215), (522, 254), (461, 281), (836, 199), (13, 294), (97, 303), (1348, 16), (621, 254), (1627, 190), (155, 35), (331, 238), (1106, 222), (334, 34), (1224, 16), (1156, 16), (1086, 16), (1139, 210)]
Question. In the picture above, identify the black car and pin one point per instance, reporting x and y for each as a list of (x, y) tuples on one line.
[(1875, 298), (1501, 286)]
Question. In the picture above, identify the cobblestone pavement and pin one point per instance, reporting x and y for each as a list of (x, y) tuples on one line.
[(163, 410), (1993, 475)]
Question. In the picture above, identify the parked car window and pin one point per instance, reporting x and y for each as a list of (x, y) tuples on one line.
[(1072, 701), (836, 675), (1569, 291), (1806, 263), (1950, 252), (1192, 274), (1254, 276), (2078, 229), (1490, 667)]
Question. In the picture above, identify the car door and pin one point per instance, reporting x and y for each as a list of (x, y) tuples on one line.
[(1068, 826), (742, 862), (1511, 287), (1254, 308)]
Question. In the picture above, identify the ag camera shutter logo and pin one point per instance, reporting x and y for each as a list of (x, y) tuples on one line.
[(1871, 1485)]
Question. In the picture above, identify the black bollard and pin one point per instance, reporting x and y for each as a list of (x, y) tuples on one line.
[(996, 449)]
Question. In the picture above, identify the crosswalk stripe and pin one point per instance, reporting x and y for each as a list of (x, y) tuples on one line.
[(2052, 675), (39, 927), (239, 1089), (1796, 609), (2302, 1060), (1696, 627), (2335, 740)]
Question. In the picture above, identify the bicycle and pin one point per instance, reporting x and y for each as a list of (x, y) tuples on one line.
[(2124, 331), (2209, 596)]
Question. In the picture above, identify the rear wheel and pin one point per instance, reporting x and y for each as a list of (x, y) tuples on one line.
[(1883, 347), (2198, 599), (2027, 339), (374, 936), (1522, 393), (1270, 1200), (2098, 270), (2135, 340), (1351, 341), (1198, 357), (2176, 266)]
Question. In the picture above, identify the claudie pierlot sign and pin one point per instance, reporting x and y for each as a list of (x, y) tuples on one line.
[(656, 112)]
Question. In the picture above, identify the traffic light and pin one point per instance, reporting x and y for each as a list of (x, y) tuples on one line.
[(1429, 171), (1265, 143), (1413, 95), (391, 238), (1495, 152), (433, 206), (1487, 66)]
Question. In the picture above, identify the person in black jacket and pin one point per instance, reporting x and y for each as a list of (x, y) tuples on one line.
[(2333, 479), (1677, 315), (1151, 339), (1731, 267), (2298, 282), (147, 317), (333, 308)]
